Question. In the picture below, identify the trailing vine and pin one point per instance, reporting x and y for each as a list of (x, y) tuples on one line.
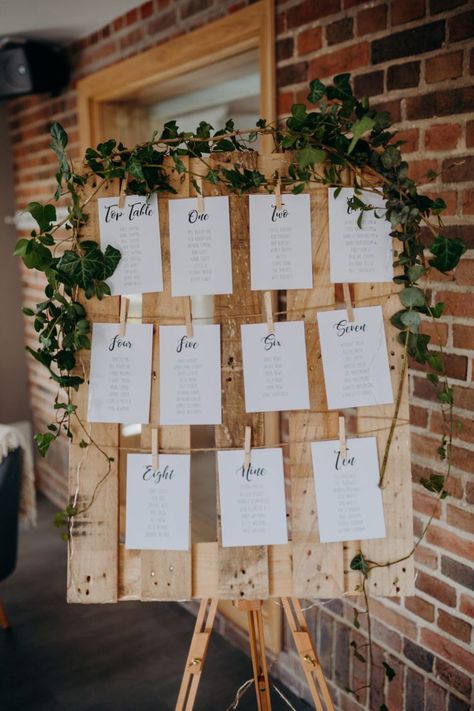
[(336, 135)]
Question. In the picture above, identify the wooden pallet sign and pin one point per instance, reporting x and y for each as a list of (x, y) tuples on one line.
[(101, 569)]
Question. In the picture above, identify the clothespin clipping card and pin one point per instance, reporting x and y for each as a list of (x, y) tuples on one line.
[(342, 436), (188, 317), (123, 315), (247, 443), (348, 302), (278, 194), (267, 300), (123, 193), (200, 196), (154, 448)]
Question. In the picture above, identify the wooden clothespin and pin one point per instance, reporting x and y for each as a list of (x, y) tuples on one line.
[(247, 443), (267, 300), (200, 195), (188, 317), (348, 302), (154, 448), (124, 303), (342, 436), (123, 193), (278, 194)]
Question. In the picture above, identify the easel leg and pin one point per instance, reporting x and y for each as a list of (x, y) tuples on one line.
[(308, 657), (196, 655), (257, 650)]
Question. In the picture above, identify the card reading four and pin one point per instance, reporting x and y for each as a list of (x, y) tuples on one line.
[(120, 374), (190, 376), (135, 231), (157, 512), (280, 242), (252, 499), (200, 250), (348, 496), (275, 368)]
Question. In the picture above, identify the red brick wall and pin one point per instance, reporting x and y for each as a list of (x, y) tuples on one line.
[(415, 58)]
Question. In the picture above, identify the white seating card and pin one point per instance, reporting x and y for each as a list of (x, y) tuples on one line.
[(120, 374), (348, 497), (280, 242), (190, 376), (355, 360), (252, 499), (359, 254), (200, 251), (157, 508), (135, 231), (275, 368)]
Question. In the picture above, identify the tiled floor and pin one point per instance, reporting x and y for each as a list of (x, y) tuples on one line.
[(126, 657)]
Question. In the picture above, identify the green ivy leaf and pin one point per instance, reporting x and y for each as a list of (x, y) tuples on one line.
[(389, 672), (360, 127), (416, 345), (435, 484), (410, 319), (112, 257), (310, 156), (415, 272), (44, 215), (21, 247), (316, 91), (65, 360), (412, 296), (447, 252), (43, 441), (360, 563)]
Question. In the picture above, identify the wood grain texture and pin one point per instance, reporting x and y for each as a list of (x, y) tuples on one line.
[(93, 481), (165, 575), (398, 579), (317, 567), (243, 571)]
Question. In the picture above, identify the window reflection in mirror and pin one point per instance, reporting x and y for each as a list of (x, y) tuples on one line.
[(216, 93)]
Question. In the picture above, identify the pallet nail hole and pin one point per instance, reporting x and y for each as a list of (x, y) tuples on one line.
[(88, 578)]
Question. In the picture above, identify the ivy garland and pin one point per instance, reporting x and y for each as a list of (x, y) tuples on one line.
[(339, 133)]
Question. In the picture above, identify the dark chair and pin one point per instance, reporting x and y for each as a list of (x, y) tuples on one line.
[(10, 475)]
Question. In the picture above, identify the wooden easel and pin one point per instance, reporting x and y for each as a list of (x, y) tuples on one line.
[(304, 646)]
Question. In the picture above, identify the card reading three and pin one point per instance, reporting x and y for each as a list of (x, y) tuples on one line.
[(359, 254), (252, 498), (135, 231)]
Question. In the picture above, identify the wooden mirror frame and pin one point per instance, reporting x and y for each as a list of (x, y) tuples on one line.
[(250, 28)]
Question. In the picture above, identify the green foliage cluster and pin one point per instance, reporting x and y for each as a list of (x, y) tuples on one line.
[(339, 133), (336, 137)]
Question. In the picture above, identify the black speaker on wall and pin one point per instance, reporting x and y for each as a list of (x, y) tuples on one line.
[(31, 67)]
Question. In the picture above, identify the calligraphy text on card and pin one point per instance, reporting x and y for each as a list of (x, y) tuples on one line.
[(250, 472), (118, 342), (186, 342), (343, 327), (157, 475)]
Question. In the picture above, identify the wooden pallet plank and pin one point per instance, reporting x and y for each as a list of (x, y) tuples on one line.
[(93, 481), (396, 579), (165, 575), (243, 571), (317, 568)]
